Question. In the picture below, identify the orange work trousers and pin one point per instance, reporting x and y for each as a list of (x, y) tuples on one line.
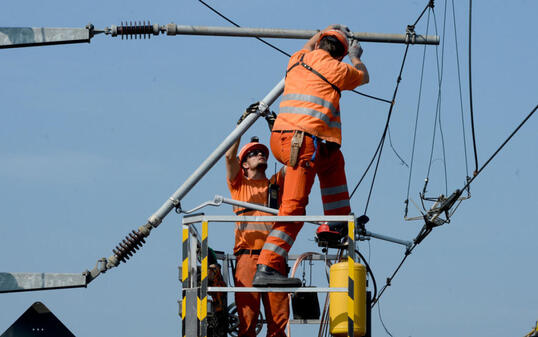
[(276, 305), (328, 164)]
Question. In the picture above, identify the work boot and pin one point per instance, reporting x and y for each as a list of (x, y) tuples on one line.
[(268, 277)]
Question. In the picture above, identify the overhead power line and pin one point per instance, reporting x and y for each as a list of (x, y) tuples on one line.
[(471, 90), (280, 50)]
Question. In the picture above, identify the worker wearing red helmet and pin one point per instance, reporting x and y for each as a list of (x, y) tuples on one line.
[(306, 137), (247, 182)]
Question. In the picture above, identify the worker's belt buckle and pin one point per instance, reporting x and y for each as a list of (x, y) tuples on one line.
[(296, 142)]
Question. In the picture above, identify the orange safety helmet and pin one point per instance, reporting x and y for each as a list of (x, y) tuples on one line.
[(341, 36), (253, 145)]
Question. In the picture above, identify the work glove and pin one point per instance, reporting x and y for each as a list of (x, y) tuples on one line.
[(270, 117), (355, 49), (251, 109)]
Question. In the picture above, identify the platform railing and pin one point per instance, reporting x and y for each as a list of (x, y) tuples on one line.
[(194, 293)]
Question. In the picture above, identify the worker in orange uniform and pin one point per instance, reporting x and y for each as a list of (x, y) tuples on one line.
[(306, 137), (247, 182)]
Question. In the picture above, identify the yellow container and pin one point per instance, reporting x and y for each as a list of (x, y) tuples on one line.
[(338, 309)]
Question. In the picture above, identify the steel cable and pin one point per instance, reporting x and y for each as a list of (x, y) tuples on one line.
[(500, 147), (382, 140), (386, 128), (471, 91), (416, 118), (459, 86), (437, 119), (280, 50)]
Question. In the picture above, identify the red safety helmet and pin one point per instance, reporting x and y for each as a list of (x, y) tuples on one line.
[(341, 36), (253, 145)]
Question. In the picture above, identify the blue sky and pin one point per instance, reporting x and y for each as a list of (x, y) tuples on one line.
[(95, 137)]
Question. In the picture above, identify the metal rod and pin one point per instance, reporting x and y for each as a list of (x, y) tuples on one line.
[(195, 177), (277, 290), (173, 29), (219, 198), (288, 218), (406, 243)]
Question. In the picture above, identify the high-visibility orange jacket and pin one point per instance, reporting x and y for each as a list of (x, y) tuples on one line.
[(310, 103), (251, 235)]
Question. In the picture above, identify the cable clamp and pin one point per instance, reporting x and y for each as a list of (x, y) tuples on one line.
[(410, 35), (177, 205)]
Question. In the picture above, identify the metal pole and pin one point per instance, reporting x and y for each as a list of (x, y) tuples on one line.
[(173, 29), (406, 243), (175, 199), (15, 37)]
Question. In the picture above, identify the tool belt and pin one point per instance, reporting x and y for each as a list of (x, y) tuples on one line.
[(297, 140), (248, 252)]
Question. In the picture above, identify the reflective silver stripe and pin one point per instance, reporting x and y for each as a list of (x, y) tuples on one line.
[(311, 99), (254, 227), (334, 190), (274, 248), (334, 205), (282, 236), (310, 112)]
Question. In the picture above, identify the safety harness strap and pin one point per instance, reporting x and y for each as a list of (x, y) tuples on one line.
[(306, 66)]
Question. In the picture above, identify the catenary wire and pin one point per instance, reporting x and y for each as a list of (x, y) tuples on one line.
[(500, 147), (408, 251), (442, 134), (459, 86), (382, 140), (389, 279), (416, 117), (437, 119), (281, 51), (471, 91), (386, 128), (235, 24), (429, 5)]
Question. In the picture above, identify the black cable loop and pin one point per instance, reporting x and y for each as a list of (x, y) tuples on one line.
[(471, 92), (402, 161), (459, 85), (369, 270), (416, 118), (386, 128)]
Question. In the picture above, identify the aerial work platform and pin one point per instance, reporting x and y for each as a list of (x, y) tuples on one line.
[(194, 277)]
